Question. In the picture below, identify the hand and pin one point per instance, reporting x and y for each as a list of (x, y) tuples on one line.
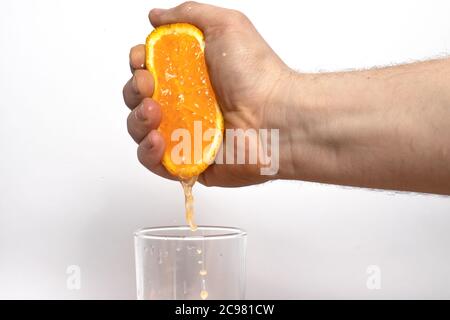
[(247, 77)]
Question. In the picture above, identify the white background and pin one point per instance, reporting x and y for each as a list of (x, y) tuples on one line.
[(72, 191)]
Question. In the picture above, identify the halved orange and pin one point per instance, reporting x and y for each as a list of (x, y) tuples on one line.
[(175, 57)]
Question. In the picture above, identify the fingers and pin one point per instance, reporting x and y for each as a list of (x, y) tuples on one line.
[(144, 118), (142, 123), (198, 14), (137, 57), (150, 153), (140, 86)]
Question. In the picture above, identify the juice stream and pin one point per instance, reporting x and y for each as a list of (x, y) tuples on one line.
[(189, 201), (189, 204)]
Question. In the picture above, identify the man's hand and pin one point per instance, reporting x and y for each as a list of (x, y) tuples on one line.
[(249, 80), (383, 128)]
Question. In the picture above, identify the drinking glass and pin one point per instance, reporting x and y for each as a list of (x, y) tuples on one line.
[(177, 263)]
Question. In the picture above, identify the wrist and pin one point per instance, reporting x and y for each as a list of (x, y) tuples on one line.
[(287, 113), (326, 117), (307, 111)]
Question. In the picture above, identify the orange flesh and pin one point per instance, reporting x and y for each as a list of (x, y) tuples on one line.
[(183, 90)]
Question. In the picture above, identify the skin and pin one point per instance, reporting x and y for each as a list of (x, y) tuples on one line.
[(382, 128)]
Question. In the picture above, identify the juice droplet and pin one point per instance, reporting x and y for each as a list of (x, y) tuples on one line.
[(189, 201), (203, 294), (160, 260), (203, 272), (199, 251)]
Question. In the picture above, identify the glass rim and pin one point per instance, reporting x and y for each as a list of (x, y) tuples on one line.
[(223, 233)]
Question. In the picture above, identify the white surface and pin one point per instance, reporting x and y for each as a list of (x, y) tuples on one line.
[(72, 190)]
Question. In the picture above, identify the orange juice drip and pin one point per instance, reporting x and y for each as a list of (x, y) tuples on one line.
[(189, 201), (203, 294), (189, 204)]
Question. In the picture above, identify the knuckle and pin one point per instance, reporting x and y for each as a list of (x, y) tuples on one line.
[(237, 17), (187, 5)]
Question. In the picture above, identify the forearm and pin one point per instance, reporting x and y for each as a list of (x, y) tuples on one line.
[(385, 128)]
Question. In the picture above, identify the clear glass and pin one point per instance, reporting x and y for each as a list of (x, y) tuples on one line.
[(177, 263)]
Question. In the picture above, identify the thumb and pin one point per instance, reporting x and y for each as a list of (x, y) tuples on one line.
[(199, 14)]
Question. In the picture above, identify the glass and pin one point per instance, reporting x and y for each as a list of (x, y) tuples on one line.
[(177, 263)]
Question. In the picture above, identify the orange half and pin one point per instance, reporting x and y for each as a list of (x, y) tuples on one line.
[(175, 57)]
